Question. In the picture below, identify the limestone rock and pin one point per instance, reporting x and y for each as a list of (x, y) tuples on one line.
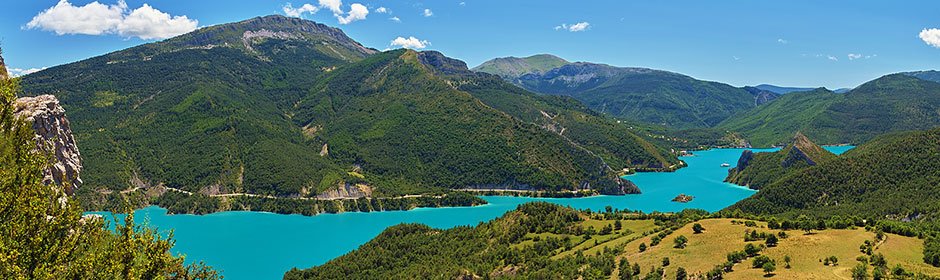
[(346, 191), (54, 136), (3, 69)]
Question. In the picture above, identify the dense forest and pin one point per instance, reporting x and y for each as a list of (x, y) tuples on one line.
[(45, 236), (895, 175), (526, 243)]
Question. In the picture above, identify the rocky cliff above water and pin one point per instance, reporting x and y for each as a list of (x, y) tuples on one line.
[(53, 135), (758, 170)]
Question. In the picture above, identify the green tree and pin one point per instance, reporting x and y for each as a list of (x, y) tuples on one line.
[(681, 274), (626, 271), (698, 228), (43, 238), (665, 261), (860, 272), (769, 268), (618, 225), (786, 260), (680, 241), (879, 273), (771, 240), (750, 250), (642, 247)]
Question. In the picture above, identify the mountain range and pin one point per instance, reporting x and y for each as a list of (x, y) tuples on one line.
[(642, 94), (785, 90), (895, 102), (288, 107)]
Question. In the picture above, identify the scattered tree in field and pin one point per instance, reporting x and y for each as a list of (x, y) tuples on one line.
[(642, 247), (769, 268), (665, 261), (618, 225), (698, 228), (681, 274), (771, 241), (751, 250), (680, 242), (786, 260), (655, 240), (759, 261), (860, 272)]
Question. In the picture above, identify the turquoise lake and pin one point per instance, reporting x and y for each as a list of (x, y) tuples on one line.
[(257, 245)]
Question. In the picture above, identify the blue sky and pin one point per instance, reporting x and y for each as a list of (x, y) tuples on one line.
[(792, 43)]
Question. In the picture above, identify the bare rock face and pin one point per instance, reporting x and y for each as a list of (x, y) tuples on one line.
[(54, 136), (346, 191), (3, 70)]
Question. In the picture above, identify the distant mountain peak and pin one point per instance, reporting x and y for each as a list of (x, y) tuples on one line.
[(782, 90), (513, 67), (251, 33), (927, 75)]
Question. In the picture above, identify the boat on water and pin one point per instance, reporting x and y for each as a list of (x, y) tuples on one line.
[(725, 165)]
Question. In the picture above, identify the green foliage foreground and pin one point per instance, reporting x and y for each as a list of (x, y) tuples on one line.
[(43, 238)]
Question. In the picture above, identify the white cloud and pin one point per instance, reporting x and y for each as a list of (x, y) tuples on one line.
[(356, 12), (735, 58), (16, 72), (410, 43), (297, 12), (98, 19), (783, 41), (149, 23), (395, 19), (833, 58), (428, 12), (381, 10), (854, 56), (931, 37), (463, 3), (332, 5), (577, 27)]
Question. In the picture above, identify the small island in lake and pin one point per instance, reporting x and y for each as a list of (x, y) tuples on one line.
[(683, 198)]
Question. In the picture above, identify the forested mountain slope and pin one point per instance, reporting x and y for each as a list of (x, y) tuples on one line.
[(642, 94), (894, 102), (288, 107), (895, 176)]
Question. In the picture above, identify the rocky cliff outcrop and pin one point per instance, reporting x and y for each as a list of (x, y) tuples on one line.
[(758, 170), (346, 191), (53, 136), (744, 160), (3, 68)]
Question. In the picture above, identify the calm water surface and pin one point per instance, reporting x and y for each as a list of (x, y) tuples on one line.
[(255, 245)]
